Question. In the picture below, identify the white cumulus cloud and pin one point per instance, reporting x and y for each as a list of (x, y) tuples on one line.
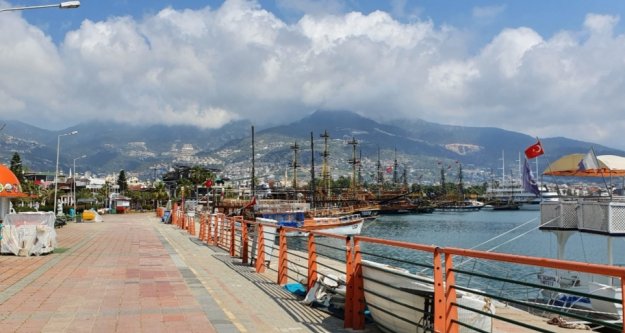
[(210, 66)]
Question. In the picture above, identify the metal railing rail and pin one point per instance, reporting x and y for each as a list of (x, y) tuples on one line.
[(245, 239)]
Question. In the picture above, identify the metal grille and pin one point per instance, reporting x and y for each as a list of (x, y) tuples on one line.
[(569, 215), (617, 217), (550, 215), (594, 216)]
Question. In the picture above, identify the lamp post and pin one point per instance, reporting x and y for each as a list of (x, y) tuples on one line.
[(74, 185), (56, 173), (62, 5)]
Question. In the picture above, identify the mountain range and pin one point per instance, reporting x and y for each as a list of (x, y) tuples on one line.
[(418, 145)]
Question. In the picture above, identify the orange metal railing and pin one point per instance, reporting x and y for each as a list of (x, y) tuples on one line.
[(234, 235)]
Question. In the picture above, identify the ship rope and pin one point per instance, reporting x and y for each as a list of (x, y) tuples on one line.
[(509, 240)]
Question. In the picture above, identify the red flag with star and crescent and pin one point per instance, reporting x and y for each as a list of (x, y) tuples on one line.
[(534, 150)]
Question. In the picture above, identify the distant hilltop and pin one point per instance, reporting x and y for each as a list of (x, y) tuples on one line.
[(418, 146)]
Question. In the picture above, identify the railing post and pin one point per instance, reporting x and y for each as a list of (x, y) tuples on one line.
[(232, 232), (439, 293), (244, 242), (202, 228), (358, 295), (623, 300), (451, 310), (260, 254), (216, 229), (282, 258), (312, 262), (349, 292), (209, 228), (191, 229)]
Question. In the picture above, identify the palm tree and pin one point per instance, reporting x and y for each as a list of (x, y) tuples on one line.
[(160, 193), (198, 176)]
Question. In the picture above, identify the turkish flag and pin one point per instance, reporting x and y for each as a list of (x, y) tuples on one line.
[(209, 183), (534, 150)]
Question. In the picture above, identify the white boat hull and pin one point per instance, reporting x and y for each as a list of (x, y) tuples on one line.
[(605, 290), (399, 303)]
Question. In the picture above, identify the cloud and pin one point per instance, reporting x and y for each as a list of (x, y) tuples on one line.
[(239, 61), (488, 12)]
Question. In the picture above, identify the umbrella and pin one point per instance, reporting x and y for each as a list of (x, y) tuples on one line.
[(569, 165)]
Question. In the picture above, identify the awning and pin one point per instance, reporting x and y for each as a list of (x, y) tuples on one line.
[(609, 166)]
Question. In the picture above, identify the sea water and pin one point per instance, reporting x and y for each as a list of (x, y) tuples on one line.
[(513, 232)]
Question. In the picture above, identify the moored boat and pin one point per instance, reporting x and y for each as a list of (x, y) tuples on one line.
[(403, 302), (340, 225), (459, 206)]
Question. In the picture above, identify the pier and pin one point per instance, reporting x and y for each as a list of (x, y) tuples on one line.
[(133, 273)]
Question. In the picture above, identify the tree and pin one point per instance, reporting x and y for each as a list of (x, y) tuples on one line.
[(160, 193), (198, 175), (16, 167), (121, 181)]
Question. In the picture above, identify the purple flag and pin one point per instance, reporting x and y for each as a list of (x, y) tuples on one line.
[(529, 183)]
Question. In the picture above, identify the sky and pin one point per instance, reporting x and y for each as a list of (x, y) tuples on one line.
[(544, 68)]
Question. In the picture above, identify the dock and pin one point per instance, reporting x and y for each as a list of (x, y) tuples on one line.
[(132, 273)]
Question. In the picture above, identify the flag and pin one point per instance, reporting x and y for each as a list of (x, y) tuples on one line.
[(208, 183), (389, 169), (534, 150), (589, 162), (529, 183)]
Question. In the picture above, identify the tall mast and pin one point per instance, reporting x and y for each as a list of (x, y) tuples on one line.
[(353, 161), (395, 181), (312, 171), (460, 183), (325, 168), (503, 169), (295, 164), (360, 166), (380, 174), (253, 162)]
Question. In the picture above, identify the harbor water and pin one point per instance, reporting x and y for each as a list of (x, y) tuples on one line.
[(513, 232)]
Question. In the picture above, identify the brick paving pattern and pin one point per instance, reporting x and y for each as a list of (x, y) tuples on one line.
[(132, 273)]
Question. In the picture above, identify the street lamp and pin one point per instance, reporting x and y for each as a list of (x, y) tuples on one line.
[(56, 173), (74, 183), (62, 5)]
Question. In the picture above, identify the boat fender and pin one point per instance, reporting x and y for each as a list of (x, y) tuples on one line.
[(311, 295)]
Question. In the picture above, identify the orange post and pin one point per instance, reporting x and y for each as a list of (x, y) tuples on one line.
[(232, 226), (174, 217), (191, 229), (358, 321), (451, 312), (283, 277), (202, 227), (260, 256), (349, 292), (439, 293), (244, 242), (216, 229), (312, 262)]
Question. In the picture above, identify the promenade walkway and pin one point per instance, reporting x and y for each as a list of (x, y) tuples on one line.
[(132, 273)]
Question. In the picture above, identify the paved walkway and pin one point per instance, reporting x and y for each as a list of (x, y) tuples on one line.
[(134, 274)]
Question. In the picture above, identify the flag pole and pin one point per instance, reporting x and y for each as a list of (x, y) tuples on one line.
[(549, 169)]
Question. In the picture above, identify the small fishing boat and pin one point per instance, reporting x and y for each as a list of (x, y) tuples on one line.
[(400, 301), (459, 206), (340, 225)]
